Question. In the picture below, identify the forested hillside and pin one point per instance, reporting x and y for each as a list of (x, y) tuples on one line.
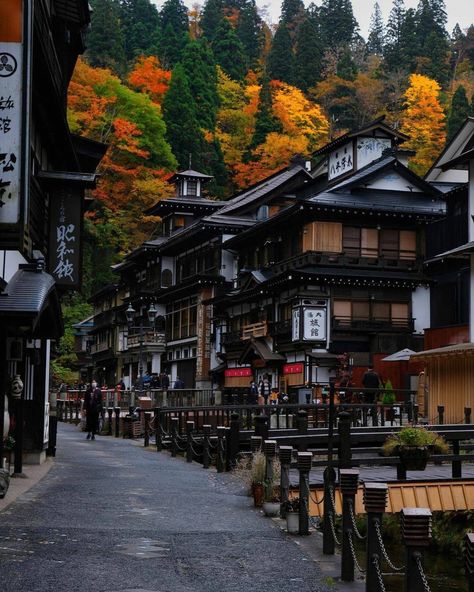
[(219, 89)]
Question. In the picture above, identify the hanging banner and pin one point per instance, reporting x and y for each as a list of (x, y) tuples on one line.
[(11, 90), (65, 235), (310, 323)]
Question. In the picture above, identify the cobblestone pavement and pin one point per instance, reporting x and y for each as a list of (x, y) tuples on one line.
[(112, 517)]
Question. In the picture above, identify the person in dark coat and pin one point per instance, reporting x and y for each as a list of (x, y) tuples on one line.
[(178, 383), (93, 408), (165, 381), (370, 380), (252, 394)]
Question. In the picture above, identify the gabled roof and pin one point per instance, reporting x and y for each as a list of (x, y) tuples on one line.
[(264, 188), (461, 142), (190, 173), (181, 204), (371, 127)]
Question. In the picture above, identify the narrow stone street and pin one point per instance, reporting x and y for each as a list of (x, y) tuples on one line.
[(112, 517)]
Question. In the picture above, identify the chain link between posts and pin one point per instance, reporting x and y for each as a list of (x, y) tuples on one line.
[(353, 553), (426, 586), (354, 524), (383, 549), (376, 563)]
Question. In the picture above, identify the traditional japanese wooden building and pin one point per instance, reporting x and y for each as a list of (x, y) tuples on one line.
[(44, 171)]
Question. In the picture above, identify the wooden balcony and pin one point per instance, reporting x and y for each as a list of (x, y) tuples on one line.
[(254, 330), (99, 347), (150, 340), (374, 324)]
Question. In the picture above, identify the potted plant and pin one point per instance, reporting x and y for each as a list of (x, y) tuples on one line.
[(388, 398), (291, 509), (414, 445), (271, 506), (257, 478)]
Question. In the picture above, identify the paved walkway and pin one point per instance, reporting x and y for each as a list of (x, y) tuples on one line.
[(112, 517)]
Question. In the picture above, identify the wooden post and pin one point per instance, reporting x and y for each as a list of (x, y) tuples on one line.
[(158, 428), (344, 449), (174, 436), (206, 447), (110, 411), (285, 454), (269, 449), (221, 432), (440, 414), (456, 465), (189, 441), (467, 415), (303, 463), (261, 426), (255, 443), (234, 440), (375, 501), (469, 559), (349, 479), (416, 534), (117, 421), (146, 439)]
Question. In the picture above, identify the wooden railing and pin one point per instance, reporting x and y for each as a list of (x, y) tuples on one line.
[(149, 339), (255, 330)]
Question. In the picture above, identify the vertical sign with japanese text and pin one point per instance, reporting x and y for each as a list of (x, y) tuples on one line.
[(341, 161), (11, 91), (65, 237), (314, 324)]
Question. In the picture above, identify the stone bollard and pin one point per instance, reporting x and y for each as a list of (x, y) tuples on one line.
[(221, 441), (303, 464), (329, 544), (416, 534), (117, 421), (467, 415), (469, 559), (189, 441), (285, 454), (174, 436), (110, 411), (158, 428), (440, 414), (344, 449), (375, 501), (206, 447), (349, 480), (255, 443), (261, 426), (146, 439), (302, 427), (233, 440), (269, 449)]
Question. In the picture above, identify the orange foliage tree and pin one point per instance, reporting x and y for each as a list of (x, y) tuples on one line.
[(147, 76), (423, 121)]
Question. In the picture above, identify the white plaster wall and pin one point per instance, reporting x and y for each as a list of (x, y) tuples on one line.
[(227, 265), (9, 262), (394, 182), (156, 363), (420, 303)]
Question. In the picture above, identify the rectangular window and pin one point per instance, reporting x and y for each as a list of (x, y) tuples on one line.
[(407, 245), (360, 310), (400, 313), (351, 241), (369, 242), (389, 243), (322, 237), (381, 311), (192, 188)]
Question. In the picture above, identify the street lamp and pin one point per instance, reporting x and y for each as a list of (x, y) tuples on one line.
[(130, 314)]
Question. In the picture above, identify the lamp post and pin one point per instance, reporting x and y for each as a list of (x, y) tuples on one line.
[(130, 314)]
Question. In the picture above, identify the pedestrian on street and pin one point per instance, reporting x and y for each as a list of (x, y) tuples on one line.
[(252, 394), (265, 388), (371, 381), (92, 408), (178, 383)]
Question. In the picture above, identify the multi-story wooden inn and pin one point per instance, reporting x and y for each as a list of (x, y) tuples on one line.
[(305, 270)]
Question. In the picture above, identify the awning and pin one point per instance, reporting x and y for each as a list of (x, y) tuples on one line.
[(400, 356), (459, 252), (30, 306), (460, 349), (323, 358), (218, 369), (86, 180), (259, 349)]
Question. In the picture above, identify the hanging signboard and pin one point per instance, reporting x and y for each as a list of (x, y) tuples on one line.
[(341, 161), (65, 234), (310, 323), (296, 368), (11, 83), (237, 372)]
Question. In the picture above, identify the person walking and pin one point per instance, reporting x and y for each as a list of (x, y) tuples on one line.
[(265, 388), (371, 382), (92, 408), (252, 396)]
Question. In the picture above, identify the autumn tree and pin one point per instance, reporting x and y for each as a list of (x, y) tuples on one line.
[(147, 76), (423, 122)]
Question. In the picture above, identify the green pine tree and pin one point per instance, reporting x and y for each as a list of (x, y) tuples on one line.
[(174, 27), (376, 39), (409, 42), (394, 36), (213, 164), (105, 40), (346, 67), (250, 32), (200, 69), (280, 63), (228, 51), (435, 58), (459, 111), (140, 24), (265, 121), (182, 127), (211, 16), (308, 55), (338, 24)]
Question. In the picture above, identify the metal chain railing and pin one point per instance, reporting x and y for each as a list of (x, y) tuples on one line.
[(313, 499), (331, 516), (354, 524), (426, 586), (353, 553), (383, 549), (376, 564), (313, 521)]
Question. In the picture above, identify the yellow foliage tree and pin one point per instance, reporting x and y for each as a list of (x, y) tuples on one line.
[(423, 121)]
